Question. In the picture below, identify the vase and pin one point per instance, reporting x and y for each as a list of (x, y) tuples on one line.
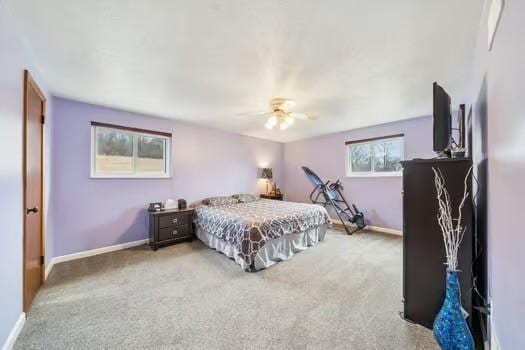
[(450, 328)]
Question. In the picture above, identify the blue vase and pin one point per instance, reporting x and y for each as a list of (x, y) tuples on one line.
[(450, 328)]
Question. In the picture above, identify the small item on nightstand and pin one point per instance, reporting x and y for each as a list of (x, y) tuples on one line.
[(182, 204), (170, 204), (274, 188), (155, 206)]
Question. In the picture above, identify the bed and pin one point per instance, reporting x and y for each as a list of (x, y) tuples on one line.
[(257, 233)]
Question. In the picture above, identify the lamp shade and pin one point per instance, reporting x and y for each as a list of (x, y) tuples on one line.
[(266, 173)]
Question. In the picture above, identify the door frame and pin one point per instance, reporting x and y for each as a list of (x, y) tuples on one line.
[(30, 82)]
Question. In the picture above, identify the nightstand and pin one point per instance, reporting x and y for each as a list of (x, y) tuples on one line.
[(277, 196), (170, 226)]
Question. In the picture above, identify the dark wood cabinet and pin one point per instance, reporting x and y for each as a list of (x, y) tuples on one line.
[(276, 196), (170, 226), (424, 270)]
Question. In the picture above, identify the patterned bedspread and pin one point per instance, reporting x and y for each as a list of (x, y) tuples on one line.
[(248, 226)]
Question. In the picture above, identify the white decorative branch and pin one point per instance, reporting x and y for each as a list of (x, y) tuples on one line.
[(451, 227)]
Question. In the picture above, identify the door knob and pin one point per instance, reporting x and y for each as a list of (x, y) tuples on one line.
[(34, 210)]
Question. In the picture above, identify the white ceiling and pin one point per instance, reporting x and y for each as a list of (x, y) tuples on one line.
[(353, 63)]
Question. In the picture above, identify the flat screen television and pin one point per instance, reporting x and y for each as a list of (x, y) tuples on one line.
[(442, 119)]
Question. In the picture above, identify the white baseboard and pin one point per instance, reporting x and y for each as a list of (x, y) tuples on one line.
[(13, 335), (386, 230), (48, 268), (494, 342), (372, 228), (92, 252)]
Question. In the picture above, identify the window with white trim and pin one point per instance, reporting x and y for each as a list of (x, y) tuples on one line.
[(380, 156), (122, 152)]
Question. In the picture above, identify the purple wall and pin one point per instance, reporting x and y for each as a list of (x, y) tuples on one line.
[(14, 58), (502, 112), (94, 213), (379, 197)]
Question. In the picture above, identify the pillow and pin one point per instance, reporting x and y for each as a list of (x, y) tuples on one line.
[(197, 204), (246, 197), (224, 200)]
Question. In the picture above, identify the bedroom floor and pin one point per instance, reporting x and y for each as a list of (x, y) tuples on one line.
[(344, 293)]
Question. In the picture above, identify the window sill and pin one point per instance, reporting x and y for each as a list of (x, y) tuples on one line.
[(124, 177), (374, 175)]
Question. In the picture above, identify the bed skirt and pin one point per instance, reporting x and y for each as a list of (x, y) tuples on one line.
[(282, 248)]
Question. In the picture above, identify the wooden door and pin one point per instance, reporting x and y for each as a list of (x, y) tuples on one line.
[(34, 115)]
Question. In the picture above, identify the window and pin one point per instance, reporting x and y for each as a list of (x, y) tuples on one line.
[(122, 152), (379, 156)]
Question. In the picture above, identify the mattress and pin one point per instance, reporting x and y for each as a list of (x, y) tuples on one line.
[(242, 230)]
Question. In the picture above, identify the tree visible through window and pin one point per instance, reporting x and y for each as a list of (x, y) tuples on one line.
[(150, 154), (362, 158), (114, 151), (378, 156)]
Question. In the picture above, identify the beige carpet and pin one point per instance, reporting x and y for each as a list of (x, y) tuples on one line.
[(344, 293)]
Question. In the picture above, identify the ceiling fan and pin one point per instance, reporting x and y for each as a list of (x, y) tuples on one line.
[(280, 114)]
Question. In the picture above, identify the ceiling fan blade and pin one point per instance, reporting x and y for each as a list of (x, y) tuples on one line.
[(302, 116), (289, 104), (252, 114)]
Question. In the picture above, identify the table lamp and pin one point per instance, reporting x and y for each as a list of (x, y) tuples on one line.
[(266, 173)]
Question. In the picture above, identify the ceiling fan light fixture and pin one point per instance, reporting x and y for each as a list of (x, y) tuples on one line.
[(280, 114), (271, 122)]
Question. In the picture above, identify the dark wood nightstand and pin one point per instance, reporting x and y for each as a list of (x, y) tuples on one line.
[(170, 226), (277, 196)]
